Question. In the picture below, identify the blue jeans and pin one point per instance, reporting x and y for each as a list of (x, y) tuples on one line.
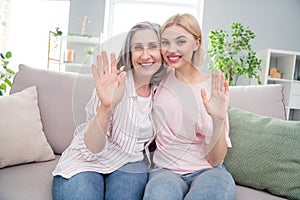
[(128, 182), (209, 184)]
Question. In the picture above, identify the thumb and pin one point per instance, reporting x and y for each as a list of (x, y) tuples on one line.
[(203, 95), (122, 78)]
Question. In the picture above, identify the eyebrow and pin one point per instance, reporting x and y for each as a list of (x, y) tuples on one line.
[(140, 43), (179, 37)]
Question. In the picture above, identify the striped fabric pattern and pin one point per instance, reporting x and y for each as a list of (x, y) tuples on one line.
[(122, 135)]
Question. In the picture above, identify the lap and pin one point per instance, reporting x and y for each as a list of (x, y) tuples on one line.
[(128, 182), (164, 184), (213, 183), (82, 186)]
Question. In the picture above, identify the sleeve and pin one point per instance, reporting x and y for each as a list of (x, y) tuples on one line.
[(228, 141), (78, 140), (208, 130)]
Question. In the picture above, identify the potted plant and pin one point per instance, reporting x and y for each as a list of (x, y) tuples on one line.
[(232, 53), (5, 72)]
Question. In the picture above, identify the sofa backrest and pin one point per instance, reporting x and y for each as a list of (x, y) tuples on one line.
[(261, 99), (62, 97)]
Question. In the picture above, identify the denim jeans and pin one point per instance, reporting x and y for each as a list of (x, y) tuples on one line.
[(209, 184), (128, 182)]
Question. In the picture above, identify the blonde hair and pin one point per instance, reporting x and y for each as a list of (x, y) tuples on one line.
[(191, 25)]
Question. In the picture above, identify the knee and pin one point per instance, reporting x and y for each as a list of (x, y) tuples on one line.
[(164, 189), (80, 186)]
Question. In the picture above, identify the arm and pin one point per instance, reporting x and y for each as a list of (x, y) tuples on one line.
[(110, 90), (217, 107)]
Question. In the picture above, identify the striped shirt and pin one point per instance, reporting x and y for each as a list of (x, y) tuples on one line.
[(121, 138)]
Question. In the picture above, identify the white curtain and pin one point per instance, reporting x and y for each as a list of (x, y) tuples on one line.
[(4, 17)]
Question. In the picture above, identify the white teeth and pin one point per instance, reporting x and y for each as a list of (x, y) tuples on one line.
[(146, 64), (173, 58)]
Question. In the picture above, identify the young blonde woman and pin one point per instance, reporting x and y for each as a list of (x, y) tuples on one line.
[(106, 157), (190, 120)]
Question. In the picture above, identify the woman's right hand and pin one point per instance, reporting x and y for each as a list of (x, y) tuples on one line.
[(109, 85)]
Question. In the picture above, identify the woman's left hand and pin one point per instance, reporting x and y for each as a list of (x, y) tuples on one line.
[(218, 103)]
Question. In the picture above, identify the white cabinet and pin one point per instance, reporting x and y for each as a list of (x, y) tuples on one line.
[(72, 53), (287, 64)]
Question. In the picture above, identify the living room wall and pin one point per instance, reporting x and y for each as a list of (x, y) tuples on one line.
[(275, 23)]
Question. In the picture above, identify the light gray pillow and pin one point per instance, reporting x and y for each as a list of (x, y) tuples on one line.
[(62, 99), (261, 99), (22, 139)]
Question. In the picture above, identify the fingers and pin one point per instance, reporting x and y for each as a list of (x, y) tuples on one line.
[(122, 78), (103, 67), (226, 86), (99, 66), (222, 81), (96, 75), (213, 81), (105, 62), (203, 95), (109, 67), (113, 63), (218, 81)]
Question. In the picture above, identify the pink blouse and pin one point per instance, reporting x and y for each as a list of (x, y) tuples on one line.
[(182, 125)]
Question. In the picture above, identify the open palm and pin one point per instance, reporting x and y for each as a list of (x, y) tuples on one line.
[(218, 103), (109, 85)]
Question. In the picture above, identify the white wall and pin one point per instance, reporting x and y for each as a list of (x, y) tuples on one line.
[(275, 23)]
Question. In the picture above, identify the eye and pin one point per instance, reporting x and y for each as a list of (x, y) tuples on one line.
[(165, 43), (181, 42), (153, 46), (138, 48)]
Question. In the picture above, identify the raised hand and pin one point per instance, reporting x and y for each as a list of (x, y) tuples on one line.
[(109, 85), (218, 103)]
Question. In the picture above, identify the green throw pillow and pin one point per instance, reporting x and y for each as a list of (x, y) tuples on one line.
[(265, 153)]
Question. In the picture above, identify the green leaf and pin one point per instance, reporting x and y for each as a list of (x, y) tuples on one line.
[(8, 82), (8, 54), (3, 87), (10, 71)]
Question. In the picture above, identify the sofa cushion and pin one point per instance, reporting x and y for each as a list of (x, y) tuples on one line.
[(62, 99), (22, 139), (247, 193), (261, 99), (265, 153), (28, 181)]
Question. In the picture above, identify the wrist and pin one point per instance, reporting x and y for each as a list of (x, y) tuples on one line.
[(218, 121), (104, 110)]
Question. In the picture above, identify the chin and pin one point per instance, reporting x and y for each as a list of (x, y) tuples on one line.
[(173, 65)]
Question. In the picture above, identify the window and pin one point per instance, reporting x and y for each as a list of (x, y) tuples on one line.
[(121, 15), (4, 10), (29, 24)]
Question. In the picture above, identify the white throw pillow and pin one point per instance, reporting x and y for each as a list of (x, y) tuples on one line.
[(22, 139)]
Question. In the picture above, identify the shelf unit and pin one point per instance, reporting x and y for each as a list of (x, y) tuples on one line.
[(80, 61), (288, 64)]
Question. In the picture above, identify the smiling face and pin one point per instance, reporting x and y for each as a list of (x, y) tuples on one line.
[(145, 53), (178, 46)]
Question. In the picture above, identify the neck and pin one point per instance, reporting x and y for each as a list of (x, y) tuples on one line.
[(188, 74), (142, 86)]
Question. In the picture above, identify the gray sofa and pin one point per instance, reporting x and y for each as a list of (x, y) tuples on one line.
[(61, 99)]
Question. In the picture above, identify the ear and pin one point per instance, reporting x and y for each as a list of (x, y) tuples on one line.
[(197, 45)]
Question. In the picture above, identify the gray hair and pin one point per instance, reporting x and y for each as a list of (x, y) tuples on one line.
[(124, 59)]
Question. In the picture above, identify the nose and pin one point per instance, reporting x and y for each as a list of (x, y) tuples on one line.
[(172, 48), (145, 54)]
